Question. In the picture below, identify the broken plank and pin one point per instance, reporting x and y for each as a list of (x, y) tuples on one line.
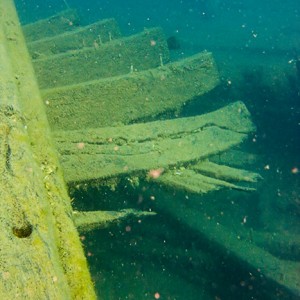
[(93, 35), (190, 181), (224, 172), (90, 220), (122, 56), (237, 158), (64, 21), (132, 97), (105, 152)]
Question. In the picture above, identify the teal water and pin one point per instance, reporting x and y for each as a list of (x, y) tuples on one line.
[(256, 45)]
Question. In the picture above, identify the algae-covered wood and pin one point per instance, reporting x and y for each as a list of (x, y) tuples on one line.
[(122, 56), (238, 158), (98, 153), (191, 181), (225, 172), (40, 252), (90, 220), (131, 97), (63, 21), (93, 35), (29, 261)]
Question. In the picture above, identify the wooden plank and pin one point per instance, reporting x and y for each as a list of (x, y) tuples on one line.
[(29, 254), (63, 21), (93, 154), (137, 52), (190, 181), (89, 36), (224, 172), (90, 220), (205, 176), (130, 97), (238, 158), (41, 254)]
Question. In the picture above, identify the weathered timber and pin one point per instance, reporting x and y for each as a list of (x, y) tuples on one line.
[(64, 21), (132, 97), (225, 172), (40, 252), (92, 154), (236, 158), (90, 220), (205, 176), (30, 263), (137, 52), (93, 35), (190, 181)]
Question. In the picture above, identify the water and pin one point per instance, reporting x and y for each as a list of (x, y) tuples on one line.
[(176, 255)]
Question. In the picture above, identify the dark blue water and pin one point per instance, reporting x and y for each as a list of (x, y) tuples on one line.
[(256, 45)]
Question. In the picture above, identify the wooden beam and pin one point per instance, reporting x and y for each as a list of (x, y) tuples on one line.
[(41, 254), (132, 97), (93, 35), (63, 21), (122, 56), (94, 154), (90, 220)]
